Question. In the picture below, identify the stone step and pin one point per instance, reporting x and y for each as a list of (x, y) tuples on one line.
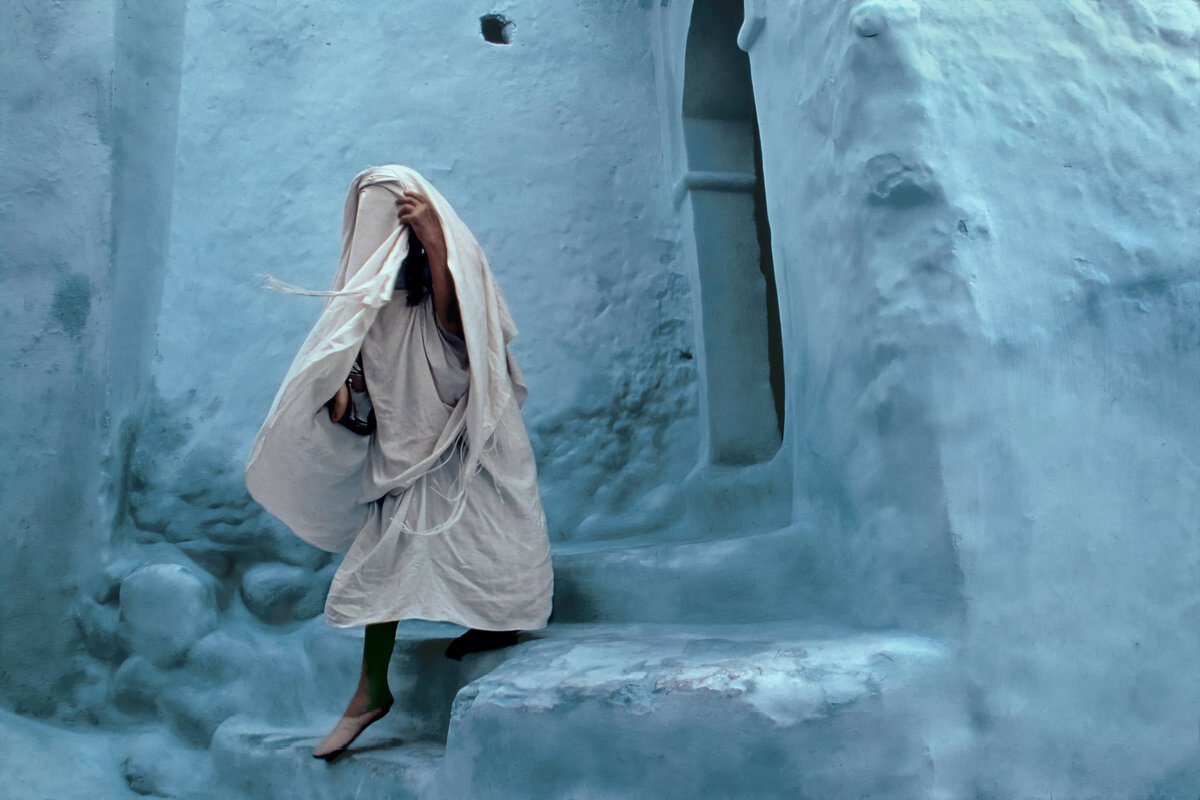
[(312, 668), (774, 709), (298, 675), (254, 760), (422, 680), (778, 574), (765, 710)]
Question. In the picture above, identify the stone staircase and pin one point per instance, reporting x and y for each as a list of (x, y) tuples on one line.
[(630, 710), (602, 704)]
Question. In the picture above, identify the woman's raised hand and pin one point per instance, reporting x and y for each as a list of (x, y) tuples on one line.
[(415, 210)]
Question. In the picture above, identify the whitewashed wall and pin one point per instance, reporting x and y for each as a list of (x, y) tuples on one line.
[(987, 216), (549, 149), (87, 96)]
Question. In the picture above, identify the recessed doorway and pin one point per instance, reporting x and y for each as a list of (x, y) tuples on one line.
[(742, 361)]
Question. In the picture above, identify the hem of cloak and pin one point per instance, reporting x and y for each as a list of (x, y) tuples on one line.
[(465, 621)]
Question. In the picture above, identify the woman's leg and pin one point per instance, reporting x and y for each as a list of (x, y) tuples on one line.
[(371, 699), (372, 691)]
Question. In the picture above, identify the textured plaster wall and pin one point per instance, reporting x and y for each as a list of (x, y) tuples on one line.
[(87, 97), (987, 218), (149, 38), (985, 237), (230, 133), (55, 217), (240, 168), (548, 148)]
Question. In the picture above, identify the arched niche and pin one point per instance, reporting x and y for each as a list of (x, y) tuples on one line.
[(741, 353)]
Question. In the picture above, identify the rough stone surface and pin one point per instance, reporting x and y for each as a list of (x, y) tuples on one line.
[(636, 711), (312, 603), (253, 761), (156, 765), (271, 590), (99, 625), (165, 609), (705, 711), (47, 760), (137, 684)]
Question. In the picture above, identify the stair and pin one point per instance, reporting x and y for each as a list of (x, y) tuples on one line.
[(258, 761), (628, 710), (778, 574)]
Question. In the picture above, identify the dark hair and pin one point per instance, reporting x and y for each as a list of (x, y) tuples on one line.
[(415, 277)]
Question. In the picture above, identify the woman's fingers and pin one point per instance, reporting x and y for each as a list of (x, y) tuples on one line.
[(415, 210), (411, 208)]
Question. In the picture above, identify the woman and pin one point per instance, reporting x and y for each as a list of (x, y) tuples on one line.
[(437, 507)]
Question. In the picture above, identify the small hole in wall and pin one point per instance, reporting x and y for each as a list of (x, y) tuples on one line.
[(496, 28)]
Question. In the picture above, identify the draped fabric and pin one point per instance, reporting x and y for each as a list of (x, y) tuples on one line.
[(438, 511)]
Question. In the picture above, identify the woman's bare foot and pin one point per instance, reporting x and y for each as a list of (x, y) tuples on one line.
[(477, 641), (361, 712)]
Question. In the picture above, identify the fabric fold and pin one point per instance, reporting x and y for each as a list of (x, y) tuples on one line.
[(306, 470)]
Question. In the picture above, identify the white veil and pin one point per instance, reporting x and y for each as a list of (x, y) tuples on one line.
[(306, 470)]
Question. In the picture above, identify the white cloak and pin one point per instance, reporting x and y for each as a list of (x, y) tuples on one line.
[(457, 531)]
